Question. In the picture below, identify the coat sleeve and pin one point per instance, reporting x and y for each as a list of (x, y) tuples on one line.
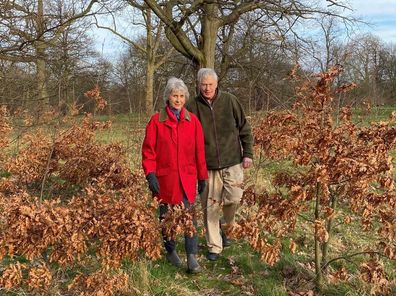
[(149, 155), (245, 132), (202, 172)]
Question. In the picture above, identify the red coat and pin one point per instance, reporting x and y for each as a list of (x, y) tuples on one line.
[(175, 152)]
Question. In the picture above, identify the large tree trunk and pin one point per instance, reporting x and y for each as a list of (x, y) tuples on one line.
[(42, 93), (150, 67), (149, 88), (210, 27)]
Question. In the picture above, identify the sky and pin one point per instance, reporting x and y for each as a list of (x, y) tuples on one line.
[(381, 14)]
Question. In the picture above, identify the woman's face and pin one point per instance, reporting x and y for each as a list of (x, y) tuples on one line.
[(177, 99)]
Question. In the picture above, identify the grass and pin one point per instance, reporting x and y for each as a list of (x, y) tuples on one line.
[(377, 113), (237, 272), (128, 130)]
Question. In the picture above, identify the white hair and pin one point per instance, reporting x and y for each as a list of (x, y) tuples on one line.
[(205, 72), (175, 84)]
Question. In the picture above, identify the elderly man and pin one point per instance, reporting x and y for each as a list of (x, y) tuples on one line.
[(228, 150)]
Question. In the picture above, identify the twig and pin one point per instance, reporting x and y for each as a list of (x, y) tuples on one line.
[(347, 257)]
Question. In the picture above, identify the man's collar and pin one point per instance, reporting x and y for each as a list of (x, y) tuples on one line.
[(210, 102)]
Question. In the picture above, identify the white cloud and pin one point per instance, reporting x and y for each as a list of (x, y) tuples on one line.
[(380, 14), (373, 7)]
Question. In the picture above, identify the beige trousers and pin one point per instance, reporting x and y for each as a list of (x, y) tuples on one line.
[(222, 196)]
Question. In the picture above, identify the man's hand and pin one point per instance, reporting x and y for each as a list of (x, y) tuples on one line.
[(153, 183), (247, 162)]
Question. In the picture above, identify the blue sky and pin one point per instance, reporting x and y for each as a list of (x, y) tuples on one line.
[(381, 14)]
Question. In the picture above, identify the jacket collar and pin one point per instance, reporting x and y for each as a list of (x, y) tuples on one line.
[(217, 96), (163, 115)]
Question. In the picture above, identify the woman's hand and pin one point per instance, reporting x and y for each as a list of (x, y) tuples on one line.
[(153, 183)]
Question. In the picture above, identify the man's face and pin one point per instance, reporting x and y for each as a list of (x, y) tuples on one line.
[(208, 87)]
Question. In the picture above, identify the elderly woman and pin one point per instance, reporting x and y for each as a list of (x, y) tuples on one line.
[(173, 159)]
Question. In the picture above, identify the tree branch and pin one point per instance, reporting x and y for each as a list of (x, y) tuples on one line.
[(129, 41)]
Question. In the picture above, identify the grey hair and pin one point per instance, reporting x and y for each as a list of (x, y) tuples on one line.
[(205, 72), (175, 84)]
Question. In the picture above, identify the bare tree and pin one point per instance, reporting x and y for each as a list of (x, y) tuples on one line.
[(388, 57), (193, 26), (130, 73), (322, 48), (16, 83), (363, 66), (253, 64), (152, 46), (68, 56), (29, 28)]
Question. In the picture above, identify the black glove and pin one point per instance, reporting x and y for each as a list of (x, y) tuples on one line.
[(153, 183), (201, 186)]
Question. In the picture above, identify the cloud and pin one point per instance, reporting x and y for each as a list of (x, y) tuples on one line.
[(375, 8), (380, 15)]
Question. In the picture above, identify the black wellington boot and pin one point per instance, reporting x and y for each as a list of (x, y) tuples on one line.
[(174, 259), (192, 264)]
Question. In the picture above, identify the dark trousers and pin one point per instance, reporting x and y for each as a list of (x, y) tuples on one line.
[(190, 242)]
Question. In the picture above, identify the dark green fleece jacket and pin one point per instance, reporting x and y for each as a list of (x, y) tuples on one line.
[(228, 136)]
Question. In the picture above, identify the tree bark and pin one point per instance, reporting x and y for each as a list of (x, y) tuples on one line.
[(149, 88), (318, 265), (329, 225), (42, 93), (210, 27)]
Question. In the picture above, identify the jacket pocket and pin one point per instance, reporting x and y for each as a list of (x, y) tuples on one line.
[(163, 171)]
